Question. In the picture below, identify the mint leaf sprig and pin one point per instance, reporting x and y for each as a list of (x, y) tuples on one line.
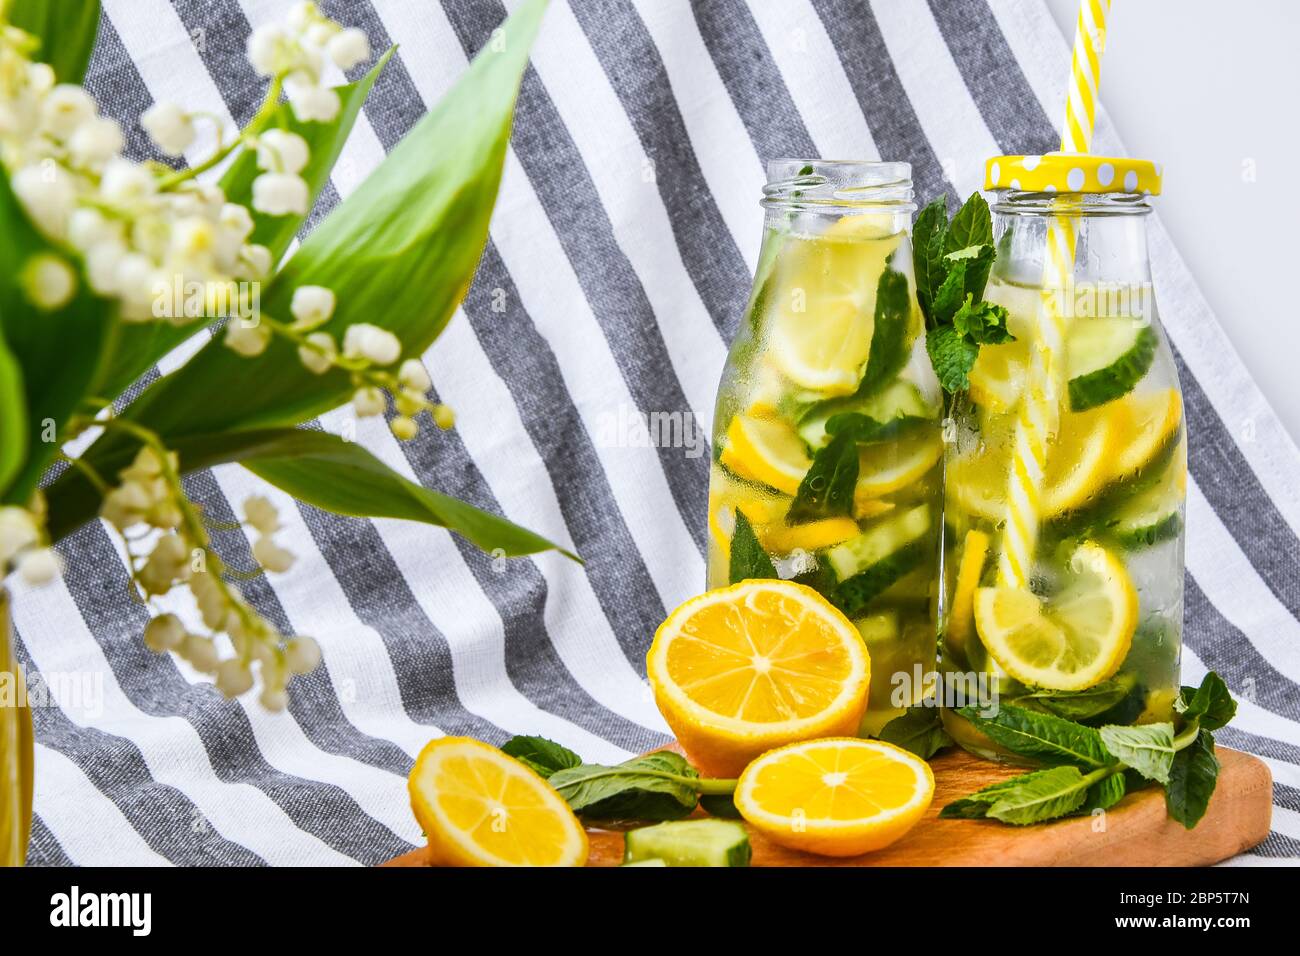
[(655, 787), (952, 261), (1092, 768)]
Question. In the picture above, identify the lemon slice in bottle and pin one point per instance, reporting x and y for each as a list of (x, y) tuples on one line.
[(766, 450), (1072, 640)]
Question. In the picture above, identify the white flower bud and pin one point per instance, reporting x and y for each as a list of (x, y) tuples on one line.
[(311, 103), (192, 236), (65, 108), (40, 77), (274, 699), (403, 428), (102, 261), (302, 15), (48, 282), (17, 531), (47, 193), (280, 151), (408, 402), (311, 306), (270, 49), (261, 514), (39, 566), (248, 340), (258, 258), (124, 183), (444, 417), (372, 343), (278, 194), (271, 556), (415, 376), (347, 48), (301, 655), (201, 653), (169, 126), (368, 401), (234, 677), (237, 220), (95, 141), (163, 633), (319, 354), (87, 227)]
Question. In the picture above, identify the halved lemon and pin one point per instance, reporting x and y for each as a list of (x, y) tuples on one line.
[(1072, 640), (889, 466), (740, 670), (961, 618), (836, 797), (767, 451), (480, 807), (823, 303), (1151, 421)]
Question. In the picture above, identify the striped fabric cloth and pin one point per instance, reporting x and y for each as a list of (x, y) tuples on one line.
[(618, 265)]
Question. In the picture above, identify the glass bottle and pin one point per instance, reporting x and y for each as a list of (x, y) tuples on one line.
[(1065, 593), (827, 444)]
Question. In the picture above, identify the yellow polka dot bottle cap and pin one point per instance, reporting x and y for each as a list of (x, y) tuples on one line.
[(1073, 173)]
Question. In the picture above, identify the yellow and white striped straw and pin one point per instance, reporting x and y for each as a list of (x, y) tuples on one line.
[(1039, 416)]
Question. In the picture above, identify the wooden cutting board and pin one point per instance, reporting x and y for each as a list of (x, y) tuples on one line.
[(1136, 832)]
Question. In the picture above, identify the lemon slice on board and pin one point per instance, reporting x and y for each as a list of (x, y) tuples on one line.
[(767, 451), (739, 670), (1071, 641), (480, 807), (837, 797)]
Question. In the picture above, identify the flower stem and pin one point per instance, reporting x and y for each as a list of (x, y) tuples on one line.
[(255, 126)]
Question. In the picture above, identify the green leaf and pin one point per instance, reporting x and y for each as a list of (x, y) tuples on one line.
[(975, 806), (890, 333), (1041, 796), (918, 730), (951, 294), (13, 415), (927, 253), (748, 559), (1104, 794), (142, 344), (544, 757), (59, 351), (720, 805), (1192, 779), (982, 322), (1211, 703), (952, 355), (399, 253), (1079, 705), (1147, 748), (66, 29), (1043, 737), (323, 470), (657, 786), (979, 262), (827, 489), (972, 226)]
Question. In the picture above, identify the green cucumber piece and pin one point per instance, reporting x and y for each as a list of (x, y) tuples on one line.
[(653, 862), (1107, 357), (893, 409), (868, 564), (689, 843), (1151, 515)]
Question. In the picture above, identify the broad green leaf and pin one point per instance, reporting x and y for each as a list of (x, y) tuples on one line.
[(142, 344), (827, 489), (657, 786), (543, 756), (59, 351), (890, 338), (1104, 794), (15, 750), (1079, 705), (748, 557), (1148, 749), (975, 806), (13, 415), (1044, 738), (1192, 780), (66, 29), (323, 470), (400, 252), (1211, 703), (927, 253), (972, 226), (918, 730), (1050, 794)]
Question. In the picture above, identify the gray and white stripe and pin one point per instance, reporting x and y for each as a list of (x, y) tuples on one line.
[(616, 270)]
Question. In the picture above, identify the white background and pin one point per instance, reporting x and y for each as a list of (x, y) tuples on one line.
[(1212, 90)]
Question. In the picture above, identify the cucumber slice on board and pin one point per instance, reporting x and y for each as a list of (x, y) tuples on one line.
[(1107, 357), (689, 843), (868, 564), (892, 408)]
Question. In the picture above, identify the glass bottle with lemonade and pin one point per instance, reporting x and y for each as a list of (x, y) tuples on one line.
[(1066, 465), (827, 450)]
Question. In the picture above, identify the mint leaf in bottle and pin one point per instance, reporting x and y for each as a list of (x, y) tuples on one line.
[(748, 559)]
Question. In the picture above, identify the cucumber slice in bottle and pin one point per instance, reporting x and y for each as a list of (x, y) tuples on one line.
[(689, 843), (1107, 357), (1152, 514), (893, 408), (868, 564)]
